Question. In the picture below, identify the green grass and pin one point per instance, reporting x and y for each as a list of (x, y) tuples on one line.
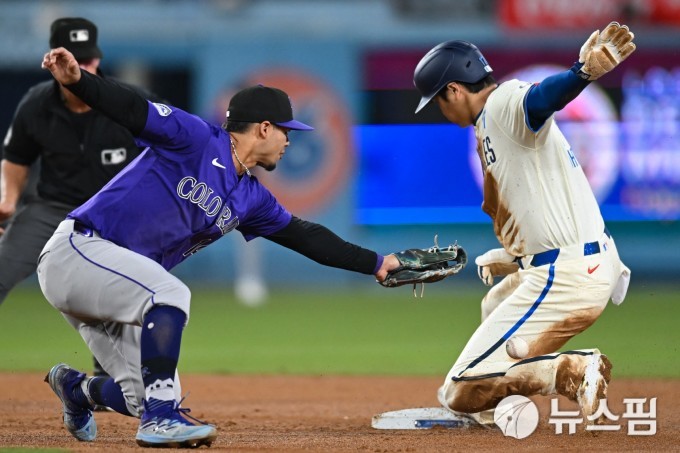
[(377, 331)]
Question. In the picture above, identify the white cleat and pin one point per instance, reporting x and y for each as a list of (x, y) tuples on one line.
[(163, 425), (594, 387)]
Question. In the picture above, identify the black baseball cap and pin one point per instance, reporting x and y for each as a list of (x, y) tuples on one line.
[(77, 35), (260, 103)]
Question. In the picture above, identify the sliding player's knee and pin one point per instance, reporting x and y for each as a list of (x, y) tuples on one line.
[(478, 395), (468, 396)]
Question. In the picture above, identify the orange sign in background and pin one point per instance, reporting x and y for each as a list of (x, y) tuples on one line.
[(317, 164)]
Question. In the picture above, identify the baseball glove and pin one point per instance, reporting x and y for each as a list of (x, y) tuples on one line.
[(426, 265)]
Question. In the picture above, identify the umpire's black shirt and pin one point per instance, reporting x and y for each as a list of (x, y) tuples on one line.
[(79, 152)]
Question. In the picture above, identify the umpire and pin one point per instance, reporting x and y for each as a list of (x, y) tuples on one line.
[(79, 150)]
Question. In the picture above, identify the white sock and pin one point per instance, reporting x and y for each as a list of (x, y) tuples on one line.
[(161, 390)]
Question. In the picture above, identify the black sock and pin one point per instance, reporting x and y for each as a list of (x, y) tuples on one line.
[(105, 392), (160, 344)]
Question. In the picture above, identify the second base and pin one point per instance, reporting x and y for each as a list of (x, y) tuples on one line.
[(420, 418)]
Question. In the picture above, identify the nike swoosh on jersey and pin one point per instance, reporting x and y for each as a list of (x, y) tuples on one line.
[(217, 164), (591, 270)]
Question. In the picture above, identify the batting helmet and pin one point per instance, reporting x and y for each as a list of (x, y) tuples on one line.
[(450, 61)]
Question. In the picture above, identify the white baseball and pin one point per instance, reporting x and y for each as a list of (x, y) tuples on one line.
[(517, 348)]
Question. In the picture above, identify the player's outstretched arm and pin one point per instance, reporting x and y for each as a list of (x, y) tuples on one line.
[(552, 95), (320, 244), (601, 53)]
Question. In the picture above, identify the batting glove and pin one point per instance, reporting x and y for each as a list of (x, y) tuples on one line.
[(602, 52), (495, 263)]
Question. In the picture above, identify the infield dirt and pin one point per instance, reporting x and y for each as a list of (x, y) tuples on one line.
[(326, 414)]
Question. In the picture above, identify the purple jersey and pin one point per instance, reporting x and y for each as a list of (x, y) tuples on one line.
[(181, 194)]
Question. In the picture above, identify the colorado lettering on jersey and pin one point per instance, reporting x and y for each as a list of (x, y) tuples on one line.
[(198, 193)]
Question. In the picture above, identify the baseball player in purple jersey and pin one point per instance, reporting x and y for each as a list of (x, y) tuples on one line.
[(561, 263), (106, 266)]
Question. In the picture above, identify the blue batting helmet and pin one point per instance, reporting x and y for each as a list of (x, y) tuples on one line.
[(450, 61)]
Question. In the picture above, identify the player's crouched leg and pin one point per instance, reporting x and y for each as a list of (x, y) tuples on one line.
[(581, 376), (472, 395)]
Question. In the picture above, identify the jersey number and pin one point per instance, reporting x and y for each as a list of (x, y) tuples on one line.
[(489, 155)]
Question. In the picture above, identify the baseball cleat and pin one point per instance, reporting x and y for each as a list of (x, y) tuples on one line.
[(78, 419), (594, 387), (163, 425)]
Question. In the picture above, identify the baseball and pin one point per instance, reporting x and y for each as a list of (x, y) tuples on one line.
[(517, 348)]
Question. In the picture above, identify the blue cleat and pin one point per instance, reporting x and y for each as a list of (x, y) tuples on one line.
[(163, 425), (78, 419)]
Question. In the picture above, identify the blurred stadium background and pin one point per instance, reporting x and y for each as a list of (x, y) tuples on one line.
[(348, 66)]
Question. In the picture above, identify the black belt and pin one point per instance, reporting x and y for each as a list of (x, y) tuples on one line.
[(550, 256), (83, 229)]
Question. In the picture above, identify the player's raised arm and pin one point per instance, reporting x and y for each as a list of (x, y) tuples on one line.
[(600, 54), (121, 104)]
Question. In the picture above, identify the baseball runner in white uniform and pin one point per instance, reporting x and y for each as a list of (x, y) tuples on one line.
[(560, 263)]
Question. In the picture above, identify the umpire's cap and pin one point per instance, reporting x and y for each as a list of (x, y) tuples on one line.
[(260, 103), (77, 35), (450, 61)]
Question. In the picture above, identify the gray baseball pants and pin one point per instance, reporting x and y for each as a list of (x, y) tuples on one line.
[(104, 291)]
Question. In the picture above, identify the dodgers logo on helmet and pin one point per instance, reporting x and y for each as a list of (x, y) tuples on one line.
[(485, 64)]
